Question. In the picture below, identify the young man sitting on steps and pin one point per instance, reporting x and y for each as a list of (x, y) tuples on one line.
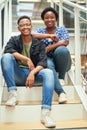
[(24, 60)]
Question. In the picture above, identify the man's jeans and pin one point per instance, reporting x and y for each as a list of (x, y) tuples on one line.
[(61, 63), (15, 75)]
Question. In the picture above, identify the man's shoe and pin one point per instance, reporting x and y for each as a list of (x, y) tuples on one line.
[(12, 98), (62, 98), (46, 119)]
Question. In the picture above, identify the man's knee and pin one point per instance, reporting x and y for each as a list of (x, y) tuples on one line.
[(6, 57), (48, 71), (6, 61)]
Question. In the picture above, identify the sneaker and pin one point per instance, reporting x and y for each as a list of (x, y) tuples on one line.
[(62, 82), (46, 119), (12, 98), (62, 98)]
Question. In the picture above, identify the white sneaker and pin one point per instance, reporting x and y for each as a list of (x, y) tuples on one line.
[(12, 98), (62, 82), (62, 98), (46, 119)]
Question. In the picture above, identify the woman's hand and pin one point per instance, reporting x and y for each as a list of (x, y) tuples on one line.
[(48, 48), (54, 37)]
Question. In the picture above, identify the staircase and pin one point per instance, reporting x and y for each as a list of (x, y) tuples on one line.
[(26, 114)]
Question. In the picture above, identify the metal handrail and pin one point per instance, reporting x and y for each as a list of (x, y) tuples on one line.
[(84, 9), (74, 5)]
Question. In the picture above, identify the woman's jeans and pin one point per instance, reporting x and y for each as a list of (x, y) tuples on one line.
[(61, 63), (15, 75)]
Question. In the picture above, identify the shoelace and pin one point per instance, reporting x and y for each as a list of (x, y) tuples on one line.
[(10, 95), (49, 119)]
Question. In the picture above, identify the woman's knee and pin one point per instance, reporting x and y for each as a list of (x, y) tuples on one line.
[(62, 54), (62, 50)]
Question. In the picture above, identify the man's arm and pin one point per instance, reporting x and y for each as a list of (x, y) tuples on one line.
[(31, 77), (19, 56)]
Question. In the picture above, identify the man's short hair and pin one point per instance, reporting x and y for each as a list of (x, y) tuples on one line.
[(23, 17)]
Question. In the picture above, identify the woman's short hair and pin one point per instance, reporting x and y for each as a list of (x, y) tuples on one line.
[(49, 9)]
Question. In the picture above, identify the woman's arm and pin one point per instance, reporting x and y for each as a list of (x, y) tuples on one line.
[(43, 36), (55, 45)]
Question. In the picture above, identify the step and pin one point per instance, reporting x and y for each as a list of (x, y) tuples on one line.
[(35, 93), (54, 102), (60, 125), (29, 105), (31, 113)]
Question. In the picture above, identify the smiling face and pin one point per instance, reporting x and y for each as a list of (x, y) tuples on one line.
[(25, 26), (50, 19)]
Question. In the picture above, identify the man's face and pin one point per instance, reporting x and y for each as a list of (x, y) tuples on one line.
[(25, 26)]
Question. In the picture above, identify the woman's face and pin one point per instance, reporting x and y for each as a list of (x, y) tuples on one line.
[(49, 19)]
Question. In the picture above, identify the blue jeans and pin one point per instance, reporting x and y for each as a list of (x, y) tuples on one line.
[(61, 63), (15, 75)]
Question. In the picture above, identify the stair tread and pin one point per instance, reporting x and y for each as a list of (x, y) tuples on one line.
[(39, 102), (37, 125)]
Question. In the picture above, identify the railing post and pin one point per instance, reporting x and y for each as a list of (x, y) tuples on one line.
[(6, 27), (60, 13), (0, 48), (0, 32), (52, 3), (77, 49), (10, 17)]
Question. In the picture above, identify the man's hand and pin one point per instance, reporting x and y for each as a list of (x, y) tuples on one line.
[(30, 64), (31, 77), (30, 80)]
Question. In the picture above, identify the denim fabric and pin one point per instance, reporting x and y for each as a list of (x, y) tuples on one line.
[(61, 63), (62, 60), (14, 75)]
